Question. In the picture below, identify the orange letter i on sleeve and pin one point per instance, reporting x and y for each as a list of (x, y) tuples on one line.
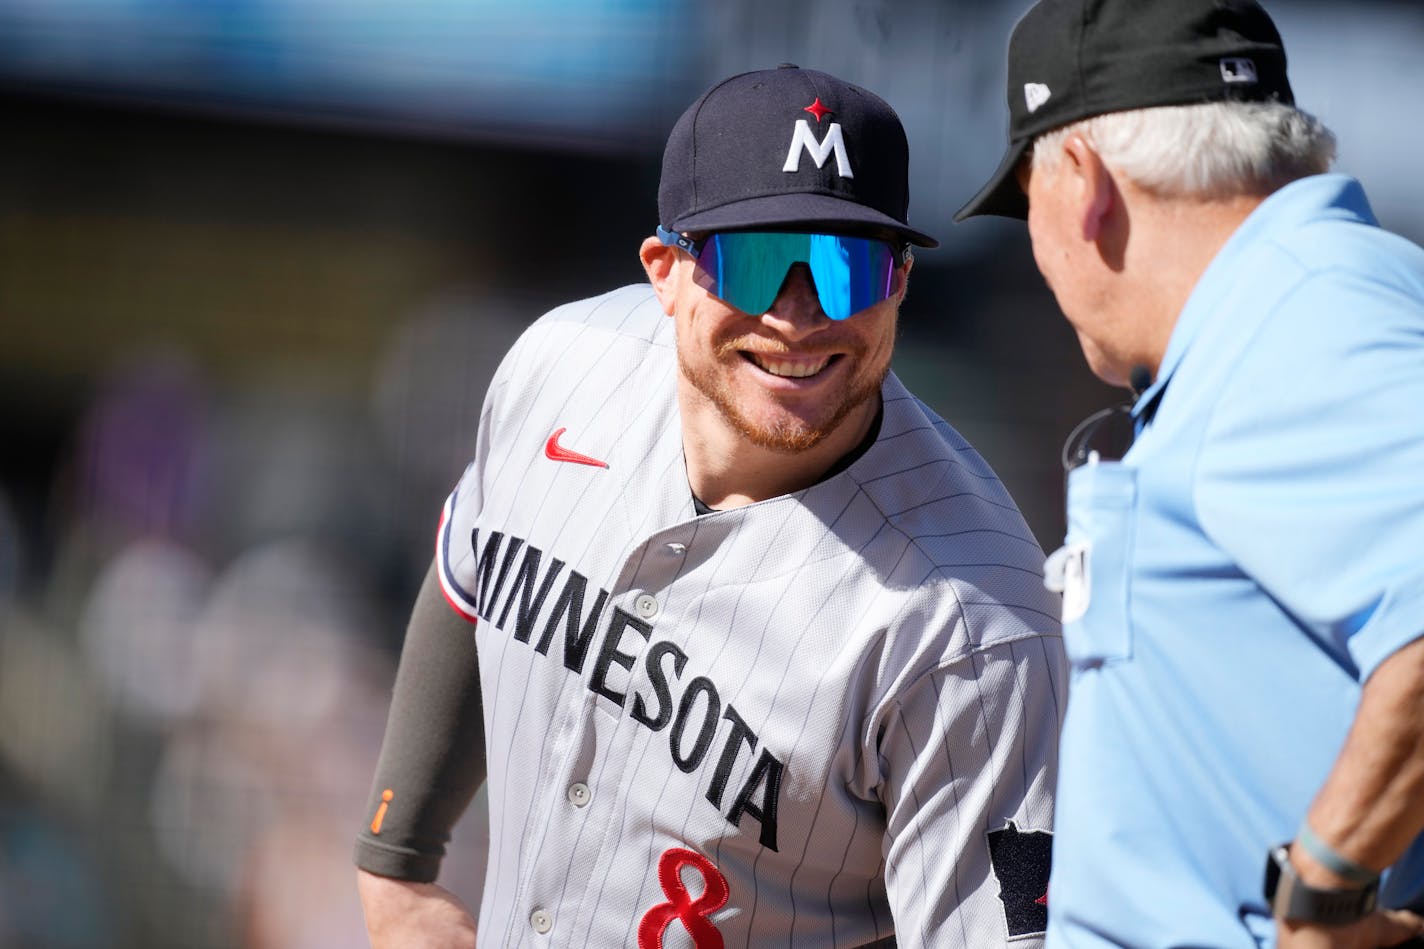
[(386, 796)]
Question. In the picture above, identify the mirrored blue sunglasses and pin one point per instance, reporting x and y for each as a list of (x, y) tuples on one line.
[(748, 267)]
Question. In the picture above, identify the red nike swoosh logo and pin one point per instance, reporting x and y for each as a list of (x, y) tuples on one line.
[(557, 452)]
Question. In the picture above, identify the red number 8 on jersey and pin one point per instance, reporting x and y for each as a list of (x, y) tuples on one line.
[(691, 913)]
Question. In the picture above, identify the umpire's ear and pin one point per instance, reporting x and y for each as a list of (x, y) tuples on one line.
[(1092, 188), (660, 263)]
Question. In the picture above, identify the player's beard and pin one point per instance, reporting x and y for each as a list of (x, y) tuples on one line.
[(787, 432)]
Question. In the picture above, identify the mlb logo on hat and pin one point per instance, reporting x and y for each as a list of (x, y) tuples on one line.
[(1238, 69)]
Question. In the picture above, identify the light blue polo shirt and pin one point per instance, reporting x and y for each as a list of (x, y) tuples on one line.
[(1255, 555)]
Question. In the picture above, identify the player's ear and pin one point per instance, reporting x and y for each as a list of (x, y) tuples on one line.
[(660, 264), (1093, 188)]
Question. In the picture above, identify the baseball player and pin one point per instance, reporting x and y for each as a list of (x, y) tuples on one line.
[(751, 645)]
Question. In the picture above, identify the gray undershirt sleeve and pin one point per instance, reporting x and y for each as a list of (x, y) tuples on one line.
[(433, 756)]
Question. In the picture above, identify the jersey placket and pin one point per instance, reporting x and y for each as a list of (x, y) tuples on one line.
[(587, 779)]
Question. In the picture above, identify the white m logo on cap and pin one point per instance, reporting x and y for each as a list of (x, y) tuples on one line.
[(819, 151)]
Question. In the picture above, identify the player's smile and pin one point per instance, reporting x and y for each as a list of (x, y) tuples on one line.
[(781, 367), (786, 367), (796, 360)]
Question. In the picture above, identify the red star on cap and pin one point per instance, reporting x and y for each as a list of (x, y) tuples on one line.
[(818, 110)]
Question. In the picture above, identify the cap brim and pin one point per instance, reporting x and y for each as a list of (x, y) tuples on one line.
[(1002, 195), (809, 211)]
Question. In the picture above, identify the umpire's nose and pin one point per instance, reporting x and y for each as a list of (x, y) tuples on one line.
[(796, 312)]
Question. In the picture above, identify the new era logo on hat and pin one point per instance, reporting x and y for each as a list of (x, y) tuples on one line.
[(1035, 95), (788, 149), (1100, 56)]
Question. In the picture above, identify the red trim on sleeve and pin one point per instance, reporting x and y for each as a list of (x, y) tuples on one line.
[(463, 612)]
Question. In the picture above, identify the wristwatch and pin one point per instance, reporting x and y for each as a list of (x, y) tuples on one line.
[(1299, 902)]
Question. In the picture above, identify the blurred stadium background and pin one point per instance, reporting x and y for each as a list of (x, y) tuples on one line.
[(258, 259)]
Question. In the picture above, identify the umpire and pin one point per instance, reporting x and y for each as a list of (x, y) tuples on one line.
[(1243, 757)]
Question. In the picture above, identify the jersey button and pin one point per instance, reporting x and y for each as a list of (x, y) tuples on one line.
[(646, 605), (541, 921), (579, 794)]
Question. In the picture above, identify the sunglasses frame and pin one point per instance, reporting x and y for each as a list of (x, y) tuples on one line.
[(900, 253)]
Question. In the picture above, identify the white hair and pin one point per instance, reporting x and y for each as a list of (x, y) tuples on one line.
[(1206, 150)]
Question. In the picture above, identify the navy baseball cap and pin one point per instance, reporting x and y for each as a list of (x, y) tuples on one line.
[(788, 149), (1074, 59)]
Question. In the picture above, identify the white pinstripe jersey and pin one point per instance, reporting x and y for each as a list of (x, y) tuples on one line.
[(821, 704)]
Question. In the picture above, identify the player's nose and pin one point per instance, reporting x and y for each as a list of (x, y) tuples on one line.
[(796, 312)]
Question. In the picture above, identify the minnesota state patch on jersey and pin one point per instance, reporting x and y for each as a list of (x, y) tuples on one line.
[(1021, 861)]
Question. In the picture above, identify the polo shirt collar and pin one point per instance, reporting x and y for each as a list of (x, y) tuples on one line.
[(1307, 199)]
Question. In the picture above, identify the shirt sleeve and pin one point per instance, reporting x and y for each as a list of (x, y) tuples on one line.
[(1311, 474), (433, 757), (970, 758)]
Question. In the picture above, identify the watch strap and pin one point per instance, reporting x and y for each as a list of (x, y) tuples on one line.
[(1290, 899)]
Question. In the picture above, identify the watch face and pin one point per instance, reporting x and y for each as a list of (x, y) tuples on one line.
[(1273, 874)]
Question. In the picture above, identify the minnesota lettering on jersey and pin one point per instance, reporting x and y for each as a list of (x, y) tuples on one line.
[(513, 582)]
